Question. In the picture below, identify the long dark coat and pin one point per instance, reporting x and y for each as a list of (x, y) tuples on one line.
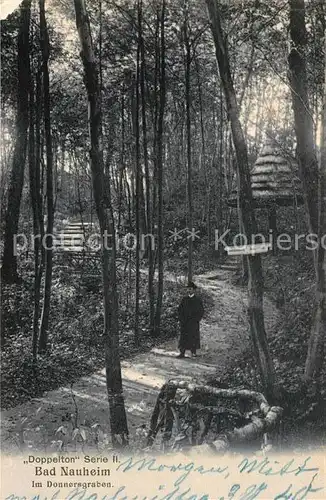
[(190, 312)]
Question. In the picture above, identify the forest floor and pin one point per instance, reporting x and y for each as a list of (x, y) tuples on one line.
[(49, 423)]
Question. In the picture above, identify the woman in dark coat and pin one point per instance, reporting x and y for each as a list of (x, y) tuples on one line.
[(190, 312)]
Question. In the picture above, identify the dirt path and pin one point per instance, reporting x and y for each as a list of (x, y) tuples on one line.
[(34, 424)]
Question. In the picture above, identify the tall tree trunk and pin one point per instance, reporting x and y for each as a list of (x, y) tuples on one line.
[(9, 263), (316, 346), (245, 270), (160, 163), (118, 419), (39, 210), (34, 179), (255, 284), (149, 225), (221, 171), (303, 118), (187, 49), (122, 165), (44, 326), (152, 263), (138, 180), (203, 156)]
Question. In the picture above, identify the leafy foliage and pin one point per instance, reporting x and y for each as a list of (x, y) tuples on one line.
[(76, 344)]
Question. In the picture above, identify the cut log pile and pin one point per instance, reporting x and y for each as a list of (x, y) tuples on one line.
[(182, 407)]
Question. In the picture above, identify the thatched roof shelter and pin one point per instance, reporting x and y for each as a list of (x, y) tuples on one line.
[(274, 179)]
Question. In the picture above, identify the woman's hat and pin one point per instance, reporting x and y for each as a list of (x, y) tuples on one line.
[(191, 284)]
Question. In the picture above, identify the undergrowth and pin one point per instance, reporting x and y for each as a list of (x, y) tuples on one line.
[(76, 341), (289, 283)]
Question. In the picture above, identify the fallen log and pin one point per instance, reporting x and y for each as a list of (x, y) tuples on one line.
[(262, 421)]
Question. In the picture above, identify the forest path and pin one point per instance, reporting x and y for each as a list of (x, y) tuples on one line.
[(223, 337)]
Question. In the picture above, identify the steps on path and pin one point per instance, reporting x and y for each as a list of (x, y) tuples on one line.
[(231, 262), (74, 238), (222, 271)]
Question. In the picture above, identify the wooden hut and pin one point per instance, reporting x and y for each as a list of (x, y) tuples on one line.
[(275, 182)]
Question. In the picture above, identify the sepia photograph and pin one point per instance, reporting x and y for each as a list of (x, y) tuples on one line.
[(163, 249)]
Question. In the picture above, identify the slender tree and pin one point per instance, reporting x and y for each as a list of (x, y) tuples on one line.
[(122, 160), (34, 179), (138, 177), (255, 283), (160, 163), (149, 225), (45, 47), (187, 63), (37, 187), (152, 262), (118, 420), (9, 262)]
